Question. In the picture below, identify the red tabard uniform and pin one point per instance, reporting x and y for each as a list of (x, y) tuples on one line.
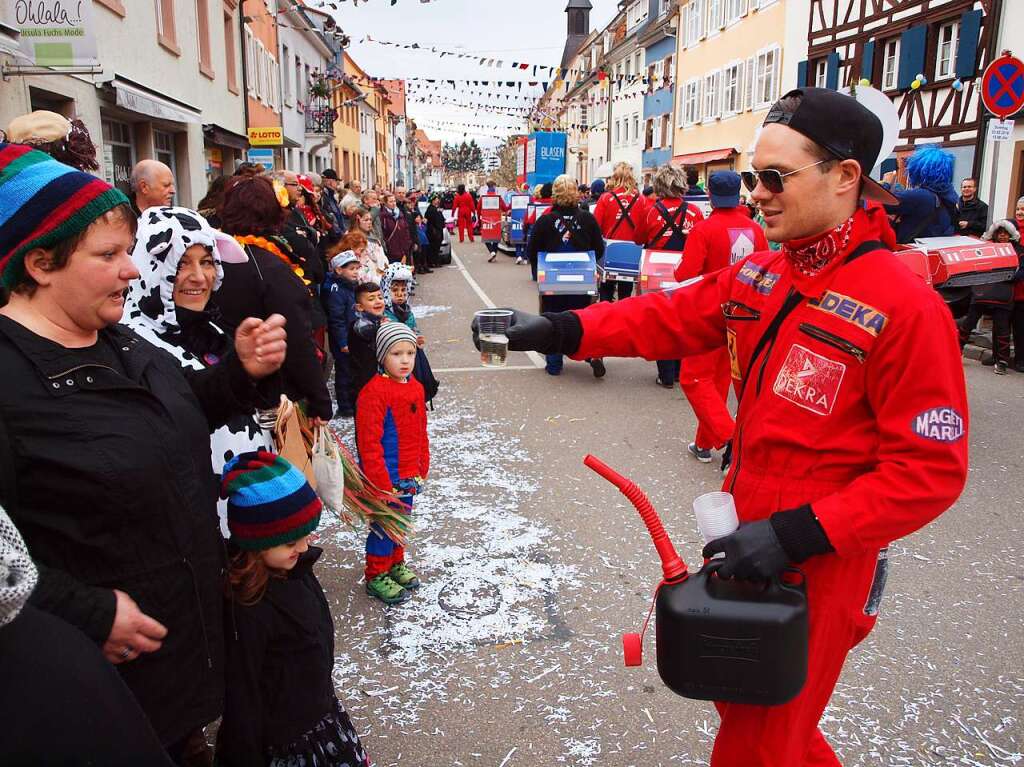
[(725, 237), (541, 206), (464, 207), (649, 232), (610, 215), (857, 407)]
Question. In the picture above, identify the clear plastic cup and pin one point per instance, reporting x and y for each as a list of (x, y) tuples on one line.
[(494, 324), (716, 515)]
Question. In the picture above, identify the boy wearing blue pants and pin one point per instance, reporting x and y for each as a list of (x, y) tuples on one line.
[(339, 297)]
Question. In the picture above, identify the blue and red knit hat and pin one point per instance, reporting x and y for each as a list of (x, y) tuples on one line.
[(270, 503), (43, 202)]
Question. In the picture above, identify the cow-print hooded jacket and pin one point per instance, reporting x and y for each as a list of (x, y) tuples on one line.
[(193, 338)]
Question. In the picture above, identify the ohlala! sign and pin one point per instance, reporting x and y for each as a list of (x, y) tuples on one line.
[(266, 136)]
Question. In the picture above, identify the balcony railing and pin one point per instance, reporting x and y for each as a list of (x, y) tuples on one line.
[(320, 116)]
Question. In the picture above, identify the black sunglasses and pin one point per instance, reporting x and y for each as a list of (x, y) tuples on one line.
[(771, 179)]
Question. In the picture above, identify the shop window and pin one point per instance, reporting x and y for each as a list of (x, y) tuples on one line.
[(163, 148), (118, 155), (165, 33)]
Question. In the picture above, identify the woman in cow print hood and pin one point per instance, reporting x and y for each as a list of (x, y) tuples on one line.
[(179, 256)]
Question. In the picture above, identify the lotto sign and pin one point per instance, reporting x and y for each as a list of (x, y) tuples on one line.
[(272, 136), (1002, 86)]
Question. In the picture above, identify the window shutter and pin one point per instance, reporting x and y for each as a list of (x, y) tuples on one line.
[(967, 49), (912, 45), (738, 97), (867, 60), (751, 81), (832, 71), (776, 68), (801, 74)]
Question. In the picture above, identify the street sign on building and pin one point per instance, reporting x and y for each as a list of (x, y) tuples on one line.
[(273, 136), (56, 33), (1002, 86), (264, 157), (1000, 130)]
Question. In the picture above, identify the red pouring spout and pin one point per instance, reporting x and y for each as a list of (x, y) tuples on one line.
[(671, 565)]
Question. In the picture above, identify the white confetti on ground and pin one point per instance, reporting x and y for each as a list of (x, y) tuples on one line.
[(420, 312), (487, 573)]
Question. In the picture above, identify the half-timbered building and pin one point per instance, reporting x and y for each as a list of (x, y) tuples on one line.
[(927, 55)]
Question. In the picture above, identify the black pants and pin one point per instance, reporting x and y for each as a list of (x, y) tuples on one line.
[(492, 247), (608, 290), (1000, 327), (433, 255), (1017, 324), (343, 381)]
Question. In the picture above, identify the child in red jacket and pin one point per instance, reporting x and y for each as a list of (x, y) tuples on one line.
[(394, 451)]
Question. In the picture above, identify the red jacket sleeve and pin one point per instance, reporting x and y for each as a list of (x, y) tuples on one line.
[(914, 371), (370, 412), (694, 255), (659, 326)]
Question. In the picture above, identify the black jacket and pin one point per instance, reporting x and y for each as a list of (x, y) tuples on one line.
[(263, 286), (109, 480), (435, 225), (975, 213), (565, 229), (54, 675), (280, 655), (362, 350)]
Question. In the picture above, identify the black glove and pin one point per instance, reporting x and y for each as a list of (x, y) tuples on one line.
[(550, 333), (752, 552), (764, 548)]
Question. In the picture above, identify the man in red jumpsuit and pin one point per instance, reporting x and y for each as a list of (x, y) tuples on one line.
[(726, 237), (851, 430), (464, 208)]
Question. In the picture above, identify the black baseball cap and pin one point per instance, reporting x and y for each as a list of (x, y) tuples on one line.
[(842, 126)]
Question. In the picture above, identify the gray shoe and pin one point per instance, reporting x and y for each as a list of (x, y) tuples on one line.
[(701, 454)]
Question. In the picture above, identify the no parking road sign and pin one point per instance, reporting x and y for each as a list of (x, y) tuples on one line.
[(1002, 86)]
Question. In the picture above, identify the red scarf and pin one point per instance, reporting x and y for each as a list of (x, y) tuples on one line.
[(810, 255), (815, 259)]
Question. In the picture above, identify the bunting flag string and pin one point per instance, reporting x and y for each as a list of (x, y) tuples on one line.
[(483, 61)]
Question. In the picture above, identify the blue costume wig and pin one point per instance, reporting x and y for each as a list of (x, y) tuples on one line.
[(930, 167)]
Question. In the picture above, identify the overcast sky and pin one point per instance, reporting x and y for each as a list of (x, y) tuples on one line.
[(512, 30)]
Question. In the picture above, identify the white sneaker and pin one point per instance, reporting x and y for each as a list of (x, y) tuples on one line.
[(520, 261)]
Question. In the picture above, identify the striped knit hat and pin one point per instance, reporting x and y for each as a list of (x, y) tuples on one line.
[(389, 334), (43, 202), (270, 503)]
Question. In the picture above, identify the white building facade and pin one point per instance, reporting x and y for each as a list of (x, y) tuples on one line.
[(306, 57), (168, 87), (367, 145), (625, 65)]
